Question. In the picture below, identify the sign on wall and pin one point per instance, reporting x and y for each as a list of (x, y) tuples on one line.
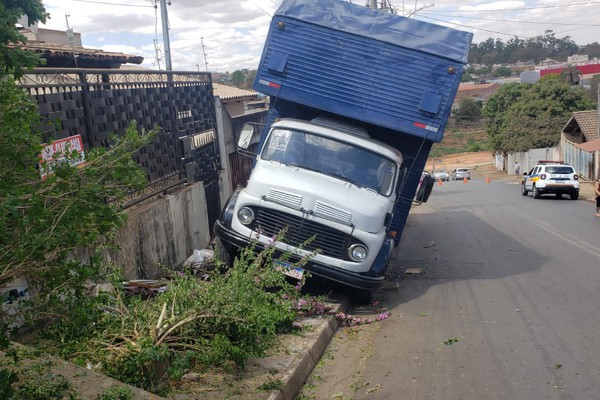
[(63, 150)]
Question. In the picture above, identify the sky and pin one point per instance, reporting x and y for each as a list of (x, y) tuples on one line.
[(228, 35)]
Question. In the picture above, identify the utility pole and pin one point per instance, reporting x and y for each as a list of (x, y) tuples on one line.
[(165, 28), (71, 39), (204, 52), (373, 4)]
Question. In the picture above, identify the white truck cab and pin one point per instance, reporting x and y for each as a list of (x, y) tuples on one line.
[(323, 180)]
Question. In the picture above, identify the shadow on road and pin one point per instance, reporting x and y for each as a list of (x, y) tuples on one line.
[(456, 246)]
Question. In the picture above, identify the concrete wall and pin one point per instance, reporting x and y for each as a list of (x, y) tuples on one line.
[(163, 233), (529, 159)]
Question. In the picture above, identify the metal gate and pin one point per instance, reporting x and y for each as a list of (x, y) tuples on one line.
[(96, 103), (581, 160)]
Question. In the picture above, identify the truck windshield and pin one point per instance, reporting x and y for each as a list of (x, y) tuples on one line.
[(328, 156)]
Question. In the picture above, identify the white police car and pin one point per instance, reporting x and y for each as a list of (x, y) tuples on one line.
[(551, 177)]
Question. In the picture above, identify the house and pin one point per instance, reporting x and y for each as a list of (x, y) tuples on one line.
[(580, 141), (63, 49), (582, 127), (235, 100), (481, 91)]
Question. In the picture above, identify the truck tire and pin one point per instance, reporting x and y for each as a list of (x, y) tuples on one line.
[(524, 191), (536, 193), (361, 297), (574, 195), (222, 254)]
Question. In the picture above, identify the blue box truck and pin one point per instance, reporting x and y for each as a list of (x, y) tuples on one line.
[(357, 98)]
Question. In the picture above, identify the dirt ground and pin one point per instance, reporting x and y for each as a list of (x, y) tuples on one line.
[(452, 161)]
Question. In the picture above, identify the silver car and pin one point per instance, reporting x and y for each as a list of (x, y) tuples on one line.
[(460, 173), (441, 174)]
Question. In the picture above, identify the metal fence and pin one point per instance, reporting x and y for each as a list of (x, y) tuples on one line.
[(581, 160), (96, 103)]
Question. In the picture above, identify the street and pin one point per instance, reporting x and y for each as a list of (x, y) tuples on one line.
[(497, 298)]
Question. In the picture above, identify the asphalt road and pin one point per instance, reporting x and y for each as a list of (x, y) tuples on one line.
[(503, 305)]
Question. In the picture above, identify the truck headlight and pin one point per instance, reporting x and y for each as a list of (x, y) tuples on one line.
[(227, 214), (245, 215), (358, 252)]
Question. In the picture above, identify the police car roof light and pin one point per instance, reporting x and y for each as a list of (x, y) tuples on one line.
[(550, 162)]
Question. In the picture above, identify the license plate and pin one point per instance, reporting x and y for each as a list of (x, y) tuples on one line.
[(289, 270)]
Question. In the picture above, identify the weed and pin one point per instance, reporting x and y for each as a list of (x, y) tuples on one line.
[(116, 393), (40, 382), (451, 341), (272, 384)]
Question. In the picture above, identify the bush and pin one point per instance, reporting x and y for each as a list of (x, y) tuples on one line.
[(195, 324)]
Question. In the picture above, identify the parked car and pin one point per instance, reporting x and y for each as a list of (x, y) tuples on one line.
[(441, 174), (551, 177), (460, 173)]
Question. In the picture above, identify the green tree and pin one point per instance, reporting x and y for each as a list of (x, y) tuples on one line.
[(467, 77), (483, 71), (593, 90), (13, 59), (249, 80), (238, 78), (523, 117), (592, 50), (502, 72), (468, 110), (495, 112), (42, 221)]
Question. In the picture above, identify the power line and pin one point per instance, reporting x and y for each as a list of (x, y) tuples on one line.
[(257, 6), (475, 27), (508, 20), (501, 33), (527, 8), (111, 4)]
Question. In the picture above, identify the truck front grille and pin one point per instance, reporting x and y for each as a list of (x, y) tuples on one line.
[(331, 242)]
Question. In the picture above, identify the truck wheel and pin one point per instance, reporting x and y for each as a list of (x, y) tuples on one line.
[(222, 254), (574, 195), (536, 192), (524, 191), (362, 297), (558, 195)]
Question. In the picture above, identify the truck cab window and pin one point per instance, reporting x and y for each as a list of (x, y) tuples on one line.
[(345, 161)]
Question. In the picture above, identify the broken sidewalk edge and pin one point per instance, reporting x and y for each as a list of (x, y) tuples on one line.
[(305, 362)]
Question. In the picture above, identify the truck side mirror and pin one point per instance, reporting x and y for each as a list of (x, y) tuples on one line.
[(248, 136), (425, 188)]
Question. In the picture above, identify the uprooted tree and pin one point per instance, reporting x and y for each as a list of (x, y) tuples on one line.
[(527, 116)]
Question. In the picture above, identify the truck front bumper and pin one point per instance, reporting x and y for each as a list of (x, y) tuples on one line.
[(233, 242)]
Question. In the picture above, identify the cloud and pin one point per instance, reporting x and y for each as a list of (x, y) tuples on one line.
[(494, 6), (234, 31)]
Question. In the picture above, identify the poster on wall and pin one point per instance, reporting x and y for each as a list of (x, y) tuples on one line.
[(63, 150)]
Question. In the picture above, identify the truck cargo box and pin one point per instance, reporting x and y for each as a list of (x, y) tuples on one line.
[(370, 65)]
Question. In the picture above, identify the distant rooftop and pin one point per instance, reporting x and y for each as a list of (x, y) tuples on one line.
[(230, 92), (587, 121), (63, 49), (62, 55)]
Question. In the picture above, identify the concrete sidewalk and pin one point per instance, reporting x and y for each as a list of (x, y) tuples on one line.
[(280, 375)]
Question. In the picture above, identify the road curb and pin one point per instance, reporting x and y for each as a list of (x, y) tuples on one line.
[(305, 362)]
